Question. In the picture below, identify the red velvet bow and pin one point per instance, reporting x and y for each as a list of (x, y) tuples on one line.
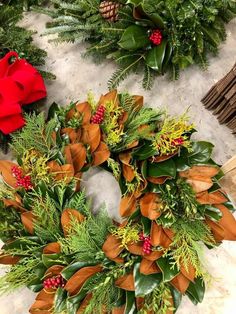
[(20, 84)]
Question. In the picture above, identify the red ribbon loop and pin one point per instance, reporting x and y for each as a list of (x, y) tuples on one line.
[(20, 84)]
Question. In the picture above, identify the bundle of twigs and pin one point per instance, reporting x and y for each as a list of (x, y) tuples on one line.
[(228, 181), (222, 100)]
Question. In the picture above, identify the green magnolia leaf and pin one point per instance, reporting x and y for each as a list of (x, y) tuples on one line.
[(53, 259), (144, 284), (215, 187), (70, 270), (230, 206), (201, 153), (181, 162), (60, 300), (213, 213), (156, 55), (146, 225), (130, 307), (196, 290), (167, 58), (168, 270), (177, 297), (134, 37), (36, 285), (145, 151), (136, 214), (156, 19), (162, 169), (155, 188), (144, 169)]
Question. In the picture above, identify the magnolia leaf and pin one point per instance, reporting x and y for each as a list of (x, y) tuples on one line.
[(134, 37), (69, 271), (145, 151), (85, 110), (167, 58), (201, 152), (126, 282), (76, 156), (60, 300), (169, 271), (156, 55), (74, 284), (228, 222), (52, 248), (101, 154), (145, 284), (180, 282), (197, 289), (68, 215), (177, 297), (6, 172), (27, 219), (112, 247), (162, 169), (213, 213), (150, 205), (156, 19), (127, 205), (52, 259), (130, 307), (148, 267)]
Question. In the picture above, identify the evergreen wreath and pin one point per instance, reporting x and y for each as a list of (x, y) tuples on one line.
[(78, 262), (148, 36)]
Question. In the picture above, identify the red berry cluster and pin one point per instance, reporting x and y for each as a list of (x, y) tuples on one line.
[(21, 180), (147, 247), (178, 141), (98, 117), (54, 282), (156, 37)]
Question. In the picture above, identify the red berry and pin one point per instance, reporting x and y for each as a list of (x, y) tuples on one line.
[(156, 37)]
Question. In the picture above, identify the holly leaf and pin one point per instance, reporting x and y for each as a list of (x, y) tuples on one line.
[(134, 37)]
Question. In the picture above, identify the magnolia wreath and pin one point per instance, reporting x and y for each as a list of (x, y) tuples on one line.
[(78, 262)]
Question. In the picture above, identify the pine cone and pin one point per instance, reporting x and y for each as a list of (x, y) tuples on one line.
[(109, 10)]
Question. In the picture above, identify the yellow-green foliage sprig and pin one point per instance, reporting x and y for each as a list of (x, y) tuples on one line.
[(110, 125), (127, 234), (171, 130), (35, 165)]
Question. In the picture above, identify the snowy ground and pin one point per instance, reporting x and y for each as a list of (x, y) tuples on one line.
[(75, 76)]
